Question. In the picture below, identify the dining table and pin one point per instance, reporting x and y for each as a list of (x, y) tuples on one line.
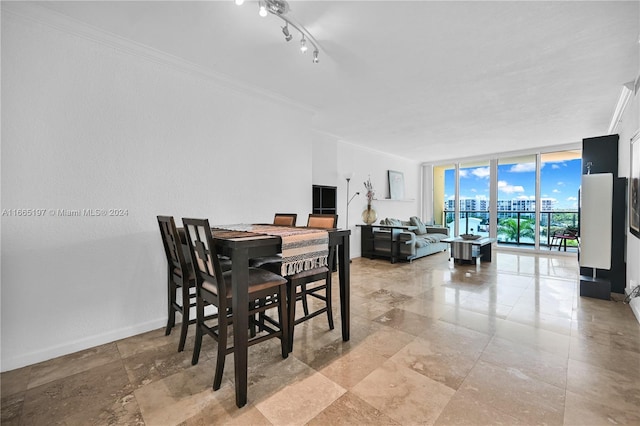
[(241, 247)]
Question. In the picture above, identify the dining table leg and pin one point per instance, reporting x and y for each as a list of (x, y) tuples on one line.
[(240, 304), (345, 285)]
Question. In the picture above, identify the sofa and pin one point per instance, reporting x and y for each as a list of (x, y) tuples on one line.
[(404, 240)]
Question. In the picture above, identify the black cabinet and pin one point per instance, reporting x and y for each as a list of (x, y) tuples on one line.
[(600, 155), (324, 199)]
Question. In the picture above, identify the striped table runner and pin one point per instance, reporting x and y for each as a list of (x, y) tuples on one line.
[(302, 248)]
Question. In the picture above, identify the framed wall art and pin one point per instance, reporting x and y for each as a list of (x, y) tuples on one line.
[(396, 185)]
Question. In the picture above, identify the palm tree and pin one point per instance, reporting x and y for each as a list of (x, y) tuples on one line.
[(509, 228)]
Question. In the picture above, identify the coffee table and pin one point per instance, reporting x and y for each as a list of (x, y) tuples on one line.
[(470, 250)]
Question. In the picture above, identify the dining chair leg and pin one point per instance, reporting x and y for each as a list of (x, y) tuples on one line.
[(171, 297), (305, 305), (222, 350), (199, 324), (186, 308)]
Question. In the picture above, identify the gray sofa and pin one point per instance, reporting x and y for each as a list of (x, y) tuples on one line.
[(408, 240)]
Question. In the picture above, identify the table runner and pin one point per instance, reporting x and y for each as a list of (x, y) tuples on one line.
[(302, 248)]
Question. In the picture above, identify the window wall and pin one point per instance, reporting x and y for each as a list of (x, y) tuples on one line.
[(516, 207), (559, 191), (521, 200), (474, 198), (444, 189)]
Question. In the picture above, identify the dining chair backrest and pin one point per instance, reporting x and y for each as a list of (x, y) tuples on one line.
[(206, 263), (172, 244), (285, 219), (326, 221)]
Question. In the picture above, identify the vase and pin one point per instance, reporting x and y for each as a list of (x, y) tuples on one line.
[(369, 215)]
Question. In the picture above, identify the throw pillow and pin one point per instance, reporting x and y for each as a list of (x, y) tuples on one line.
[(394, 222), (415, 221)]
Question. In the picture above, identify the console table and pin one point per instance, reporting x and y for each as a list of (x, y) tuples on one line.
[(370, 251), (470, 250)]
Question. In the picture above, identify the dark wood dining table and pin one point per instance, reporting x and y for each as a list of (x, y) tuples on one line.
[(240, 250)]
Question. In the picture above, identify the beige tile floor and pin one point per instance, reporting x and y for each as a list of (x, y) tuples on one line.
[(510, 342)]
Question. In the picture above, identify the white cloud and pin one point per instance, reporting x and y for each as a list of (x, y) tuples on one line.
[(509, 189), (555, 166), (464, 173), (572, 198), (561, 183), (523, 168), (556, 191), (474, 190), (481, 172)]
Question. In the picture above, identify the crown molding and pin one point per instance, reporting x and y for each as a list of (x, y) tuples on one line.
[(46, 17)]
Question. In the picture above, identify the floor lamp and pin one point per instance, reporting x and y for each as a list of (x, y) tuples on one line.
[(348, 176)]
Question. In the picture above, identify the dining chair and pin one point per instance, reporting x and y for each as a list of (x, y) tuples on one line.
[(179, 276), (213, 287), (314, 283), (325, 221), (280, 219), (285, 219)]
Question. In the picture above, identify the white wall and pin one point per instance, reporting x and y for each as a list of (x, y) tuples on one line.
[(333, 158), (88, 123), (628, 127)]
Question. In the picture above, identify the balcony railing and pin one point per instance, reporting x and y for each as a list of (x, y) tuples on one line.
[(517, 227)]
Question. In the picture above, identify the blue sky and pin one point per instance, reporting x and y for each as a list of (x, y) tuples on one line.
[(560, 181)]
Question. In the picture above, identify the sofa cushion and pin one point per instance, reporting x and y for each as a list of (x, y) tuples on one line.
[(421, 228), (392, 222), (421, 242), (433, 238)]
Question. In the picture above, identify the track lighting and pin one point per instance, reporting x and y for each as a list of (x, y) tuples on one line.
[(280, 8), (303, 44), (285, 31), (263, 10)]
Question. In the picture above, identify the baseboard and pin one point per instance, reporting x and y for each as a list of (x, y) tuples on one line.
[(78, 345)]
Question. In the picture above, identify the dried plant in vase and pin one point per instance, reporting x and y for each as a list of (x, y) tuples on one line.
[(369, 216)]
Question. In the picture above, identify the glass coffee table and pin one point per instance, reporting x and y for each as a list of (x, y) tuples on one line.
[(464, 250)]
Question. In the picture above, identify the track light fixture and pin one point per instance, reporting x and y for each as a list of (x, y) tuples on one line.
[(285, 31), (262, 9), (280, 8), (303, 44)]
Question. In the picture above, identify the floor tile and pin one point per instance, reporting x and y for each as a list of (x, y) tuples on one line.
[(463, 410), (432, 342), (607, 387), (97, 396), (584, 411), (521, 359), (300, 401), (404, 395), (350, 410), (515, 394), (68, 365)]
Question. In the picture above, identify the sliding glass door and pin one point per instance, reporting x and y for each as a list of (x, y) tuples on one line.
[(517, 200), (474, 198), (522, 201), (560, 174)]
